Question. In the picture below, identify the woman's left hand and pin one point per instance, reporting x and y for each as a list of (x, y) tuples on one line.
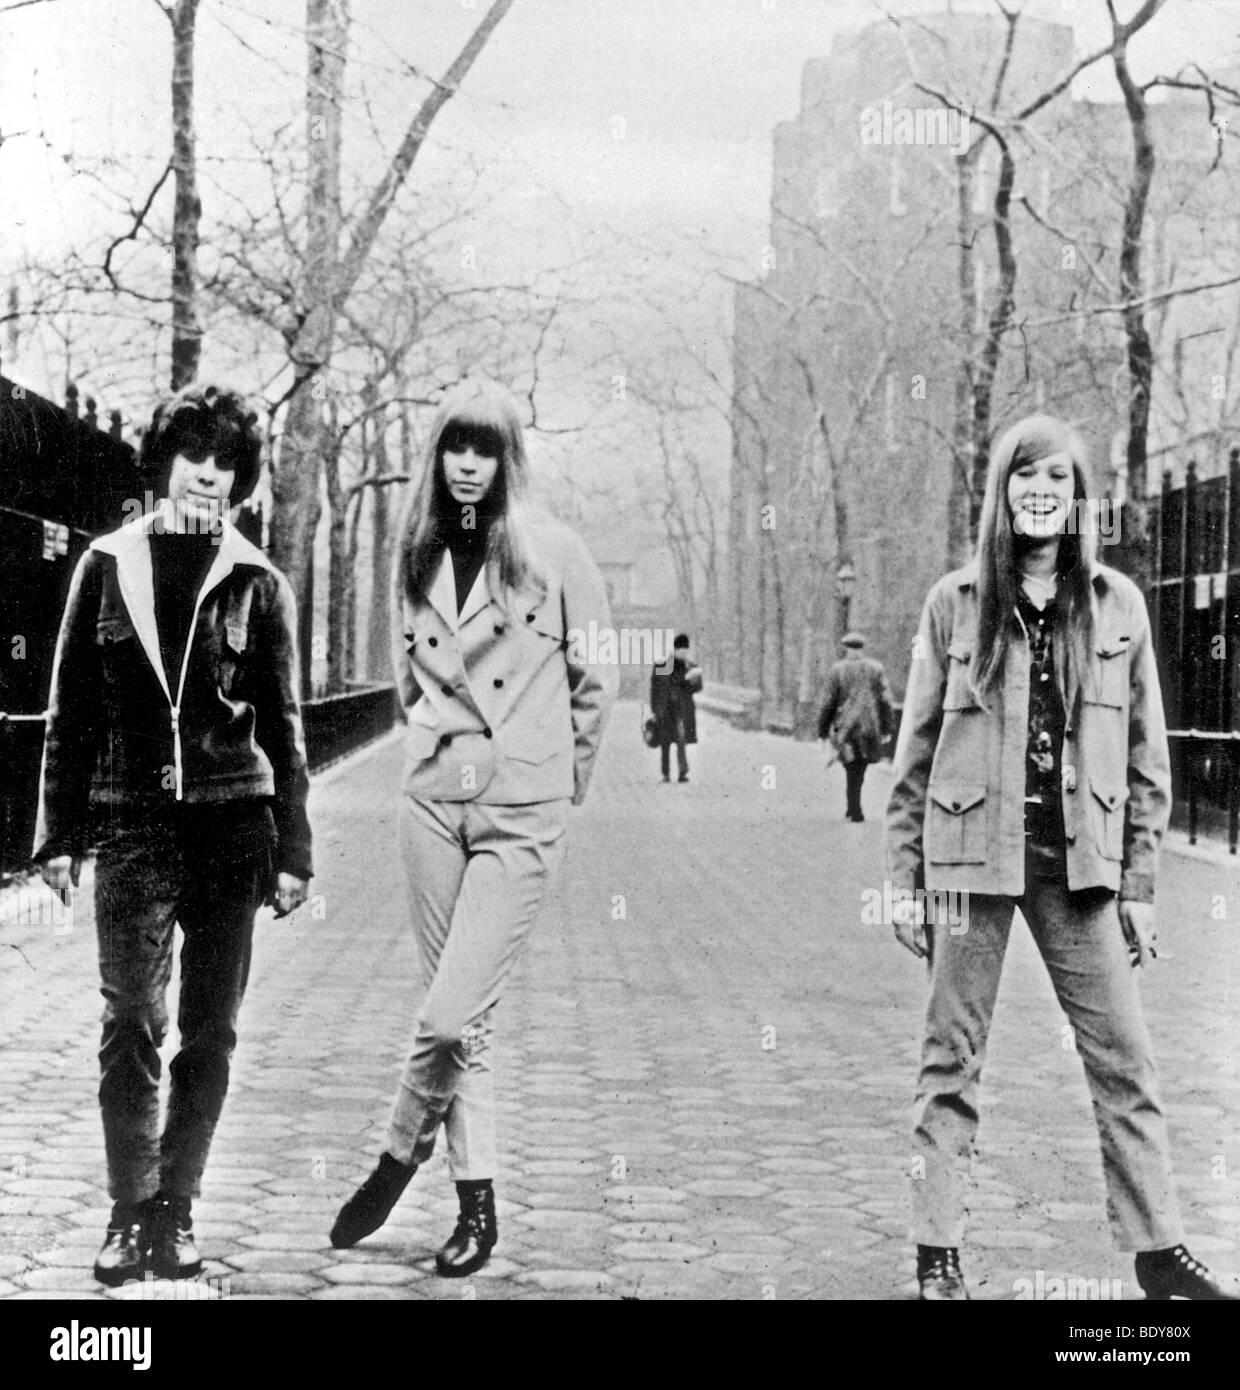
[(1137, 920)]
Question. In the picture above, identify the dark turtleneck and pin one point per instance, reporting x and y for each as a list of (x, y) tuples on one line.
[(179, 564), (467, 545)]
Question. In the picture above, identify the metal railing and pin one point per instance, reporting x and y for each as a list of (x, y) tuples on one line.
[(1198, 775), (335, 726)]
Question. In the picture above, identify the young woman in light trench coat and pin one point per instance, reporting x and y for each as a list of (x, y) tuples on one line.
[(1032, 772), (505, 716)]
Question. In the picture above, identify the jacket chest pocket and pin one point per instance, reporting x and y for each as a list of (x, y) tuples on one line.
[(955, 831), (1108, 674), (1106, 806), (118, 651), (957, 691), (233, 643), (540, 614)]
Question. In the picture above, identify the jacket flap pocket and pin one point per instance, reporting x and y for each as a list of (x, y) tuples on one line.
[(1110, 646), (1111, 797), (957, 797), (535, 749), (420, 741)]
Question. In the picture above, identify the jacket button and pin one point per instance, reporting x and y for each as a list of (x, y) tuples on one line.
[(955, 806), (529, 617), (433, 641), (445, 740), (497, 683), (499, 628), (486, 733), (447, 689)]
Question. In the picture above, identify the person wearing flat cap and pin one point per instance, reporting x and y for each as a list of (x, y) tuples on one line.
[(856, 716)]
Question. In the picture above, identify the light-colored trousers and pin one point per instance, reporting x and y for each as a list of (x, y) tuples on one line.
[(1080, 939), (477, 877)]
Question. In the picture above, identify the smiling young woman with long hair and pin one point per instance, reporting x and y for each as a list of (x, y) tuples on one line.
[(504, 721), (1032, 771)]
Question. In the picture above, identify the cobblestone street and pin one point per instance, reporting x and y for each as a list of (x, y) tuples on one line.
[(705, 1062)]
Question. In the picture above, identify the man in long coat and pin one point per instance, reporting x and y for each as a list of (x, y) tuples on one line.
[(856, 715), (671, 703)]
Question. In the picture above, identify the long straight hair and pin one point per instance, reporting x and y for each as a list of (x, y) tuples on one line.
[(998, 582), (481, 413)]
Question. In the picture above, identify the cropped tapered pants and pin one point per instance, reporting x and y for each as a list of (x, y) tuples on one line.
[(477, 876), (1082, 944)]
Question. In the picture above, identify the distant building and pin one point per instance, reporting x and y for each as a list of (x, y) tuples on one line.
[(847, 350)]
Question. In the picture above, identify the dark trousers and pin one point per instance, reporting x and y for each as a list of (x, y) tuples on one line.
[(854, 777), (682, 758), (208, 869)]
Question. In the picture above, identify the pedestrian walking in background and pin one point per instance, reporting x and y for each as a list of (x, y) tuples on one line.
[(671, 705), (1032, 771), (856, 716), (174, 743), (504, 721)]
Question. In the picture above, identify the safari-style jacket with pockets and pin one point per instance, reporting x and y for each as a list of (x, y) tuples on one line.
[(503, 704), (958, 787)]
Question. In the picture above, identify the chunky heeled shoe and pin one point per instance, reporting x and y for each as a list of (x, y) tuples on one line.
[(372, 1203), (938, 1275), (170, 1249), (1165, 1274), (469, 1246), (120, 1258)]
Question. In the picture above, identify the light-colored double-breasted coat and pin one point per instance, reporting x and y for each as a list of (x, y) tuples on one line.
[(502, 706)]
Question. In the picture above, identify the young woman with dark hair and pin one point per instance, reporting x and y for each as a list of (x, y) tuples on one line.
[(1032, 771), (504, 721)]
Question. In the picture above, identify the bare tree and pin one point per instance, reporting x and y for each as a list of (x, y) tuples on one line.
[(330, 274)]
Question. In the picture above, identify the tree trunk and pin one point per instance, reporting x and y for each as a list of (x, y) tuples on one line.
[(1000, 318), (187, 207), (959, 497), (1139, 350), (353, 521), (295, 484), (337, 574)]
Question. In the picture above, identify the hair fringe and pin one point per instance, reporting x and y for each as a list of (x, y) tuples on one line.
[(510, 565)]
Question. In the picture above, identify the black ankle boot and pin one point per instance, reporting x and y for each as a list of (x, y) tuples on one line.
[(120, 1258), (170, 1249), (469, 1246), (372, 1203), (1173, 1273), (939, 1276)]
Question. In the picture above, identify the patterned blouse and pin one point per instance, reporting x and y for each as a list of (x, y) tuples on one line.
[(1046, 714)]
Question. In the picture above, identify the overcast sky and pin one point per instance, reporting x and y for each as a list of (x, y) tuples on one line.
[(633, 111)]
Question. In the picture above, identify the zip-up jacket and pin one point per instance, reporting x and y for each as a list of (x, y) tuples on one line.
[(225, 726), (958, 788)]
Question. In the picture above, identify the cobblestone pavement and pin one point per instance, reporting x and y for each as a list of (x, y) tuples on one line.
[(705, 1061)]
